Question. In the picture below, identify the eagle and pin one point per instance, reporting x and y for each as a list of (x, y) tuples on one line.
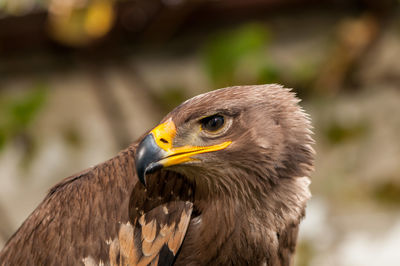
[(222, 180)]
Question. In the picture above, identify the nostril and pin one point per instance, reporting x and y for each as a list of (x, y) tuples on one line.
[(164, 140)]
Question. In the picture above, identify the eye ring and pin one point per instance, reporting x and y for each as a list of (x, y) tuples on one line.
[(212, 123)]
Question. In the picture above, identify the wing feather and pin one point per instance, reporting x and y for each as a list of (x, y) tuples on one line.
[(153, 242)]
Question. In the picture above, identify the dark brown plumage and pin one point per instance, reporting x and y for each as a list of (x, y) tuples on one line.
[(224, 183)]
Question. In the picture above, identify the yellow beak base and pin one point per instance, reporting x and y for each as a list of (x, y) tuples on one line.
[(155, 151)]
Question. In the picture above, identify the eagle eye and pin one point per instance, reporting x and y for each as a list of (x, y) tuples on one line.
[(212, 123)]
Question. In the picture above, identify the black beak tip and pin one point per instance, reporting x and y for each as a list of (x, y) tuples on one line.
[(147, 156), (141, 174)]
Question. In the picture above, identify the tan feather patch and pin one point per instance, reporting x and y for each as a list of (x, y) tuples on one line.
[(127, 244), (162, 238), (149, 231), (114, 252), (153, 235), (175, 241)]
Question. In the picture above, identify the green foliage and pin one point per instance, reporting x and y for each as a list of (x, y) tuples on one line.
[(337, 132), (18, 112), (268, 73), (170, 97), (227, 51), (303, 76), (242, 56)]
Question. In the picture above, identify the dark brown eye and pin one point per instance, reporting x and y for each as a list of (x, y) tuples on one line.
[(212, 123)]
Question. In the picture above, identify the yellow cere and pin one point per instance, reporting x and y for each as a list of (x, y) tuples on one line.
[(164, 135)]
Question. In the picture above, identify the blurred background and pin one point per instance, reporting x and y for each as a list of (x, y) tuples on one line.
[(81, 79)]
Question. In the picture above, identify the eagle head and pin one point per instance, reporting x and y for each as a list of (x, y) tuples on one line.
[(249, 136)]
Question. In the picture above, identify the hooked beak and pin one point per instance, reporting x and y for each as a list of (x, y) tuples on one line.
[(155, 151)]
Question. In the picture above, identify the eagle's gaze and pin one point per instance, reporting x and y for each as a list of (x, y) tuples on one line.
[(212, 123)]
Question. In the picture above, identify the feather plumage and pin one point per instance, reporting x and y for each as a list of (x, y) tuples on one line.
[(239, 205)]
